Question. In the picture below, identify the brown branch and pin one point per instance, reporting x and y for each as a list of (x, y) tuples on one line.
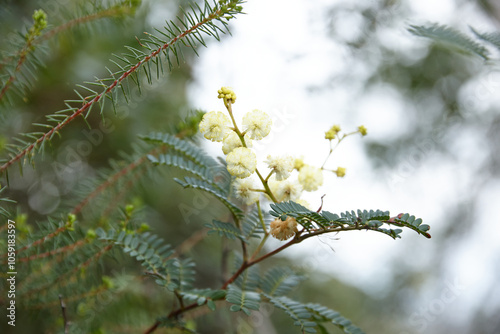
[(247, 264), (84, 19), (79, 20), (71, 272), (115, 177), (22, 58), (97, 98), (41, 240), (53, 252)]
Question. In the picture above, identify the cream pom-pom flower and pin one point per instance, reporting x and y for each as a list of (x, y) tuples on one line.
[(243, 189), (214, 125), (281, 165), (232, 141), (310, 177), (288, 190), (257, 124), (283, 230), (241, 162)]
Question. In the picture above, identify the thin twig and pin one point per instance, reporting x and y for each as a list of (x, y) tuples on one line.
[(65, 319), (49, 134), (247, 264), (54, 251)]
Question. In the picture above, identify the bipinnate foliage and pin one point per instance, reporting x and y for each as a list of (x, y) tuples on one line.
[(248, 287), (310, 317), (476, 44), (72, 256), (24, 53), (315, 223), (155, 54)]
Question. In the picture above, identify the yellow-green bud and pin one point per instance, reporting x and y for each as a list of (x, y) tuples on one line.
[(340, 172), (227, 94), (298, 163), (334, 130), (144, 227), (91, 235), (40, 19), (71, 218), (3, 143), (82, 309), (107, 282), (129, 208), (70, 222), (362, 130), (40, 23), (330, 135)]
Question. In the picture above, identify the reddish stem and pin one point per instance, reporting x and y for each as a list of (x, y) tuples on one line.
[(52, 252), (20, 62), (98, 97)]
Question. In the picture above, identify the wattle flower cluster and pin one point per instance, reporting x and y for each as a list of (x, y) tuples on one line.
[(287, 178)]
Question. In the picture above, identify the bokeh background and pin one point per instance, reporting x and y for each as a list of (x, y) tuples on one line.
[(432, 147)]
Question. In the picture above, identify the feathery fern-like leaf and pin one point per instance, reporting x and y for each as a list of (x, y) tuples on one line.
[(251, 225), (321, 313), (279, 281), (194, 183), (492, 38), (242, 300), (349, 220), (227, 230), (450, 37), (129, 72), (297, 311), (183, 147), (147, 248), (202, 296), (3, 210), (309, 316)]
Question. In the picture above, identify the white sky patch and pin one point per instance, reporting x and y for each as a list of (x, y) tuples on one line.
[(382, 110), (436, 11)]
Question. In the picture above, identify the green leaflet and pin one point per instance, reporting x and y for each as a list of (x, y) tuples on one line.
[(183, 147), (147, 248), (202, 296), (249, 280), (204, 173), (242, 300), (415, 224), (279, 281), (155, 255), (349, 220), (192, 159), (3, 211), (451, 37), (251, 225), (194, 183), (188, 33), (492, 38), (297, 311), (309, 316), (180, 273), (323, 314), (227, 230)]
